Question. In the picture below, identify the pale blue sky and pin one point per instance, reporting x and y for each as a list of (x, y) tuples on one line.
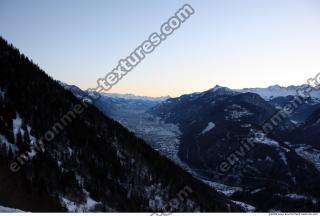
[(234, 43)]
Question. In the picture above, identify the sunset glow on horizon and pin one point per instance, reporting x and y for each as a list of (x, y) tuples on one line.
[(236, 44)]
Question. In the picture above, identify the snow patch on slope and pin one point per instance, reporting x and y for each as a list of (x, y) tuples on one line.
[(17, 124), (33, 140), (260, 137), (246, 207), (72, 206), (246, 125), (235, 112), (2, 94), (294, 196), (257, 190), (209, 127), (222, 188), (9, 146), (283, 158), (310, 154), (17, 128), (9, 210)]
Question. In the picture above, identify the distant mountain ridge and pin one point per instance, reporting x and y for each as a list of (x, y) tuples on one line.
[(204, 128), (266, 93), (135, 97), (215, 122), (278, 91), (76, 89)]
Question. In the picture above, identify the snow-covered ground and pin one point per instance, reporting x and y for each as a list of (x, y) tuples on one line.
[(246, 207), (17, 124), (261, 138), (283, 158), (2, 94), (257, 190), (294, 196), (235, 112), (17, 128), (310, 154), (9, 210), (246, 125), (209, 127), (222, 188), (9, 146), (87, 206), (307, 152)]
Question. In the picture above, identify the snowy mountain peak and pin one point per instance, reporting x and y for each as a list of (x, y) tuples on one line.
[(217, 87), (220, 90), (277, 91), (275, 87)]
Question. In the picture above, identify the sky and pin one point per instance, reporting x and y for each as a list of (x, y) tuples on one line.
[(244, 43)]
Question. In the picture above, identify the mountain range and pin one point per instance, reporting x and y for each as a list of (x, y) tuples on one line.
[(199, 131), (126, 153), (88, 163)]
